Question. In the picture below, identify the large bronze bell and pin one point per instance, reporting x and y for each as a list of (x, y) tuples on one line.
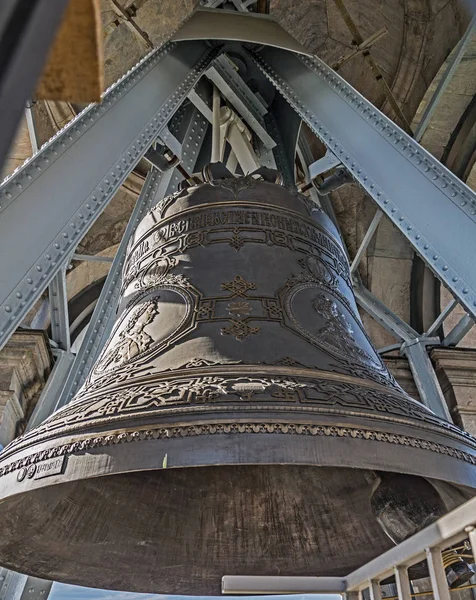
[(238, 421)]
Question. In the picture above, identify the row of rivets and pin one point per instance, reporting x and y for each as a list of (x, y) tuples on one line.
[(308, 116), (166, 110)]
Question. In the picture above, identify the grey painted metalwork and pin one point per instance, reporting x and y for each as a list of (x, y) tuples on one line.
[(367, 239), (425, 377), (16, 586), (58, 298), (181, 356), (48, 400), (93, 257), (168, 138), (30, 122), (458, 332), (254, 28), (447, 76), (216, 117), (102, 318), (269, 584), (27, 30), (383, 315), (437, 574), (224, 75), (374, 589), (324, 164), (280, 158), (191, 146), (50, 202), (441, 317), (197, 99), (410, 186), (306, 158), (403, 583)]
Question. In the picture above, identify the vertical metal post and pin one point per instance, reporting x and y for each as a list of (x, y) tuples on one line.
[(403, 583), (437, 574), (472, 540), (59, 310), (375, 591), (31, 126), (216, 126)]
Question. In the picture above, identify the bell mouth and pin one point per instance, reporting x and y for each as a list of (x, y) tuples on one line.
[(178, 531), (171, 508)]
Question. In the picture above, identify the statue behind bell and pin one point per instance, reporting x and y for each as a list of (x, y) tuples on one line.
[(238, 421)]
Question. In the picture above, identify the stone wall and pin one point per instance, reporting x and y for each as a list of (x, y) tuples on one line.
[(456, 371), (25, 363)]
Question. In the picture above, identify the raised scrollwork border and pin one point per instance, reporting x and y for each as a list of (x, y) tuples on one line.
[(164, 433)]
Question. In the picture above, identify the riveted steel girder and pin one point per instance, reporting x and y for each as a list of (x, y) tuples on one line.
[(48, 205), (156, 187), (101, 322), (433, 209)]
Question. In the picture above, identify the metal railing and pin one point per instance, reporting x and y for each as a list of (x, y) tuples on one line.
[(428, 544)]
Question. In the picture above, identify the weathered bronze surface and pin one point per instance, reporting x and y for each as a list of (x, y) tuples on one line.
[(236, 419)]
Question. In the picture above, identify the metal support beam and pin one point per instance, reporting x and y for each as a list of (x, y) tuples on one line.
[(458, 332), (383, 315), (276, 584), (377, 72), (126, 17), (425, 377), (403, 583), (374, 590), (305, 157), (156, 187), (324, 164), (447, 76), (27, 30), (216, 122), (58, 298), (441, 317), (30, 122), (280, 156), (365, 45), (101, 321), (93, 257), (48, 400), (439, 584), (190, 149), (224, 76), (367, 239), (47, 206), (420, 196)]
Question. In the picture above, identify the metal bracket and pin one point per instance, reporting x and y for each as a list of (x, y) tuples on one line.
[(324, 164)]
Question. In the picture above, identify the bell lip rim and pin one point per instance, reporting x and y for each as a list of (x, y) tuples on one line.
[(443, 428), (384, 452), (262, 413)]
